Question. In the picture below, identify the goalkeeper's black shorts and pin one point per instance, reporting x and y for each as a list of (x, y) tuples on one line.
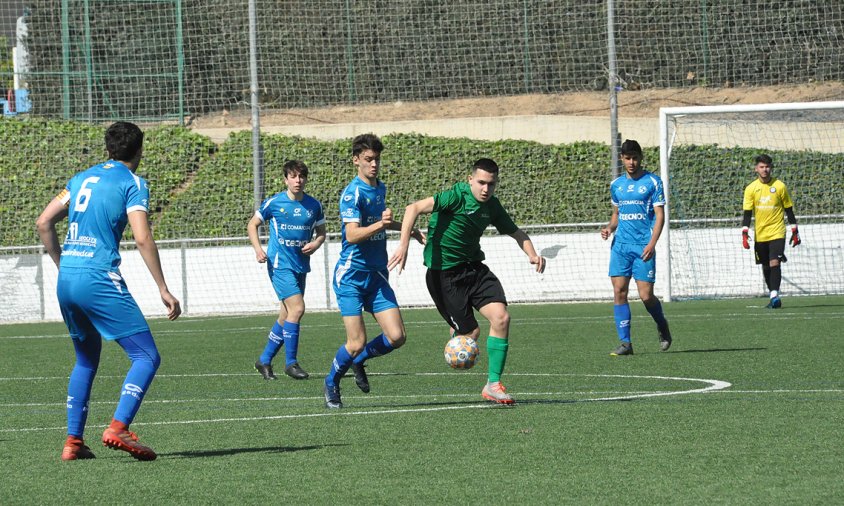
[(770, 250)]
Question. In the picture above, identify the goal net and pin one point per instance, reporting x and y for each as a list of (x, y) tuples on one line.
[(707, 158)]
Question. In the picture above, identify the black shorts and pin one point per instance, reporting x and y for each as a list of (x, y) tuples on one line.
[(770, 250), (457, 290)]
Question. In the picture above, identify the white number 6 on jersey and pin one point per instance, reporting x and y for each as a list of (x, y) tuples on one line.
[(84, 195)]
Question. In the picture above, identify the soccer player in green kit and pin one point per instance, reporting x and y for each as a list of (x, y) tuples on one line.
[(457, 278)]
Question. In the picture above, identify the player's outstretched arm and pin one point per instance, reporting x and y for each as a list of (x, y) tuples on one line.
[(149, 252), (252, 232), (46, 225), (408, 230), (526, 245)]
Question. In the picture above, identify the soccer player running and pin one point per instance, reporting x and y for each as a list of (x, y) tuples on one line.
[(93, 297), (637, 220), (767, 199), (361, 278), (293, 217), (457, 278)]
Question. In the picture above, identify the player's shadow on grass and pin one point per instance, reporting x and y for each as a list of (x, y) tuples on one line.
[(235, 451), (716, 350)]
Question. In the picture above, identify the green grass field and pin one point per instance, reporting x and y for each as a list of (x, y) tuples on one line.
[(746, 408)]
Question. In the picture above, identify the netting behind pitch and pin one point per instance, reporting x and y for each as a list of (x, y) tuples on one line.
[(712, 160), (164, 59)]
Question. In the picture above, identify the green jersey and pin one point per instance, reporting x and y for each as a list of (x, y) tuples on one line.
[(457, 224)]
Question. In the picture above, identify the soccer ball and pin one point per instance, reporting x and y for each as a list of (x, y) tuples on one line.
[(461, 352)]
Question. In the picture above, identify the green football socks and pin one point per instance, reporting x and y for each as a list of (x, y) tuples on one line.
[(496, 349)]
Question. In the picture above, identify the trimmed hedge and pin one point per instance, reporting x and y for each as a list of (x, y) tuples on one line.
[(38, 157), (199, 190)]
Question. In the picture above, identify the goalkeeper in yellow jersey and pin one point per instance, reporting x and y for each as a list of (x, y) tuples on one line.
[(767, 200)]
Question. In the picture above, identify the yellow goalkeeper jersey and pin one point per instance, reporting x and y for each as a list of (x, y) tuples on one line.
[(768, 203)]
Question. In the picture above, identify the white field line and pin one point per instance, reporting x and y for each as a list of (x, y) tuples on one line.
[(711, 385), (779, 315)]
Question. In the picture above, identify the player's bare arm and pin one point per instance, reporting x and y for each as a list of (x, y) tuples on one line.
[(607, 231), (357, 234), (55, 212), (408, 230), (526, 245), (149, 252), (310, 248), (659, 222), (252, 232)]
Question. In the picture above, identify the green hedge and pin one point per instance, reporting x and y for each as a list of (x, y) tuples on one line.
[(200, 190), (38, 157)]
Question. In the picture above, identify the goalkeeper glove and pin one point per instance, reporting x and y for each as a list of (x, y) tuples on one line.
[(795, 239), (745, 238)]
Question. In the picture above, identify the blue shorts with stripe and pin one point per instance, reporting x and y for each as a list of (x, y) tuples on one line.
[(359, 291), (97, 303), (626, 260), (286, 282)]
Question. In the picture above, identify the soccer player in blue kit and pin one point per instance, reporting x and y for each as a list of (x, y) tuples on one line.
[(637, 220), (93, 297), (361, 279), (297, 230)]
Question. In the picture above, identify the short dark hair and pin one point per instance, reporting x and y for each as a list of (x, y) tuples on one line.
[(123, 140), (631, 147), (763, 158), (486, 165), (366, 141), (296, 166)]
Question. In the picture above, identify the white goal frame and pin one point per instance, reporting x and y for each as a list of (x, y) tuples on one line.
[(667, 114)]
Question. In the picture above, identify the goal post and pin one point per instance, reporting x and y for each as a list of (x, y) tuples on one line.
[(706, 160)]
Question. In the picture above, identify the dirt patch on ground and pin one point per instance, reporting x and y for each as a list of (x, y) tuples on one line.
[(631, 104)]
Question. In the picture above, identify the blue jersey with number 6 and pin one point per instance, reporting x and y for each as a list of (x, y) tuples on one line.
[(99, 201)]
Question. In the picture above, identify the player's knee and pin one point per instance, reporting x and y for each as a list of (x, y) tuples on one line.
[(398, 340), (354, 348), (500, 320), (155, 360)]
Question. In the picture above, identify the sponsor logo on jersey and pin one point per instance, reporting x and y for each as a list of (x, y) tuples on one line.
[(286, 226), (297, 211), (631, 216), (630, 187)]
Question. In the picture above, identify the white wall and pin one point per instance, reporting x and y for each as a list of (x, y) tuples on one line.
[(705, 263)]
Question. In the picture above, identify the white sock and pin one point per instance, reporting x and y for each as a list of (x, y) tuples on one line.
[(774, 294)]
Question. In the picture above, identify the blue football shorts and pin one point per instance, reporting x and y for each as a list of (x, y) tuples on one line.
[(286, 282), (97, 303), (359, 291), (626, 260)]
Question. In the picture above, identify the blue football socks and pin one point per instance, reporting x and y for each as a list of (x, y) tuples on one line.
[(81, 380), (141, 350), (375, 348), (341, 363), (275, 340), (290, 333), (622, 321)]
